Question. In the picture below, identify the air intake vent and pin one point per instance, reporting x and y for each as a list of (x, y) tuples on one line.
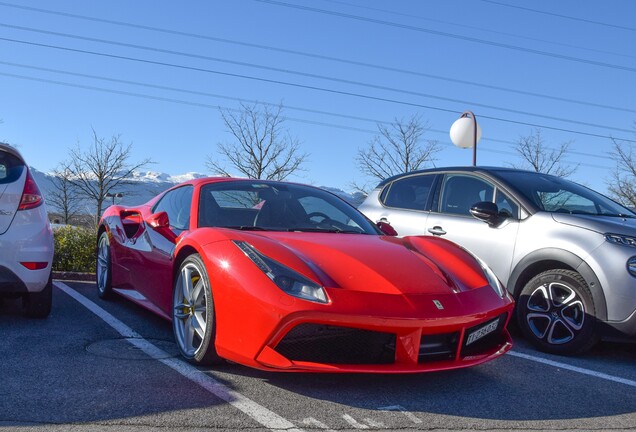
[(337, 345)]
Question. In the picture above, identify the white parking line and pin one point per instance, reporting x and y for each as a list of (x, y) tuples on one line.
[(577, 369), (262, 415)]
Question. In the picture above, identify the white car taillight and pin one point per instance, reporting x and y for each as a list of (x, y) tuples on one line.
[(31, 195)]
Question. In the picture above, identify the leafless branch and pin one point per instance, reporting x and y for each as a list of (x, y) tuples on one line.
[(538, 157), (64, 196), (262, 148), (622, 183), (102, 167), (398, 148)]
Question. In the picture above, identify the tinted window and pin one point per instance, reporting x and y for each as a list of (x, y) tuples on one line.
[(277, 207), (409, 193), (10, 168), (460, 192), (555, 194), (177, 204), (506, 204)]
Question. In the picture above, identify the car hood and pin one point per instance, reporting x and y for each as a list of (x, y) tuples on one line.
[(599, 224), (370, 263)]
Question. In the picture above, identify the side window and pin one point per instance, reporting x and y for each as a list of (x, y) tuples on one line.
[(506, 204), (10, 168), (460, 192), (177, 204), (409, 193)]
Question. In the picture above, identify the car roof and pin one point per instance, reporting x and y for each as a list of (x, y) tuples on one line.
[(207, 180), (486, 169), (11, 150)]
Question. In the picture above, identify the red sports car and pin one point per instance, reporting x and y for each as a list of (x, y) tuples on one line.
[(286, 277)]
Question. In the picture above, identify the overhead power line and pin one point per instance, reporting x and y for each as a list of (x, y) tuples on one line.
[(211, 106), (322, 57), (482, 29), (450, 35), (251, 101), (316, 76), (588, 21), (309, 87)]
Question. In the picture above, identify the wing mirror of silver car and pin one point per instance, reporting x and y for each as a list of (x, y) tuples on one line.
[(488, 212)]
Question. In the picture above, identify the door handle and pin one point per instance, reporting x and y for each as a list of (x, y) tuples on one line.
[(437, 230)]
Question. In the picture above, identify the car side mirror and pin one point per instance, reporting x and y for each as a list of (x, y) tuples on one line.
[(161, 223), (488, 212), (386, 228)]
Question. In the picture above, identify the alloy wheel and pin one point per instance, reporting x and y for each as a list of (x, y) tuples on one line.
[(555, 314), (103, 264), (189, 309)]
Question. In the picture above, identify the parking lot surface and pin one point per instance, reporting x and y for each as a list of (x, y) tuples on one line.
[(96, 365)]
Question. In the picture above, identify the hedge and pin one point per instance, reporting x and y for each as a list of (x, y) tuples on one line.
[(74, 249)]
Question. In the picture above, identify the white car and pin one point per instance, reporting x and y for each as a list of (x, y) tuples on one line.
[(26, 238)]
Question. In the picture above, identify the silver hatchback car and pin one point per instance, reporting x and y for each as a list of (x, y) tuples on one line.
[(566, 253), (26, 239)]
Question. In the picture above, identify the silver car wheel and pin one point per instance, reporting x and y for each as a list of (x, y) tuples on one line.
[(555, 313), (189, 309), (103, 264)]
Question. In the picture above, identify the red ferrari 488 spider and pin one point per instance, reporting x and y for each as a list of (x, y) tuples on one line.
[(286, 277)]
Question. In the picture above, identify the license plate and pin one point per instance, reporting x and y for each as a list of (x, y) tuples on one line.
[(481, 332)]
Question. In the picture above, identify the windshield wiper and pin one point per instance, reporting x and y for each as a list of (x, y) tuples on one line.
[(622, 215), (246, 228), (327, 230)]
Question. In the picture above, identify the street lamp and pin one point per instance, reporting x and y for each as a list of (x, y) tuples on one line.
[(114, 195), (466, 133)]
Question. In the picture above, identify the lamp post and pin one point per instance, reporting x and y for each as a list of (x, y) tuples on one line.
[(114, 195), (466, 132)]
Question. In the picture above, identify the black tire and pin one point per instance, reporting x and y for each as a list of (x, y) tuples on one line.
[(192, 311), (556, 313), (103, 267), (38, 304)]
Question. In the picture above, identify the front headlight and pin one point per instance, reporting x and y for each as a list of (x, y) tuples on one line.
[(493, 281), (288, 280), (621, 239), (631, 266)]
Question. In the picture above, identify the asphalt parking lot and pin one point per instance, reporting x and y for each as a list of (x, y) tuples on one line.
[(95, 365)]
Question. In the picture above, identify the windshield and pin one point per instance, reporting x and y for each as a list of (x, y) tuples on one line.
[(554, 194), (256, 205)]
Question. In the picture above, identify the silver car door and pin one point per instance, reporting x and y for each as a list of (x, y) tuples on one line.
[(404, 204), (452, 220)]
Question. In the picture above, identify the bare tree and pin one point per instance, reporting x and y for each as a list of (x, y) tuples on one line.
[(263, 148), (64, 195), (102, 168), (538, 157), (398, 148), (622, 183)]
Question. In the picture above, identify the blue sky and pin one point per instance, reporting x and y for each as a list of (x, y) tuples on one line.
[(338, 67)]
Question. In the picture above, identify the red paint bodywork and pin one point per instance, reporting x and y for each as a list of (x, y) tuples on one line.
[(378, 283)]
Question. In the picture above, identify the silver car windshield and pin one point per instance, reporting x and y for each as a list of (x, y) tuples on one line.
[(554, 194)]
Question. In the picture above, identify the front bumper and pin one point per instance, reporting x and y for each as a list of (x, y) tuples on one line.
[(416, 347), (369, 333), (620, 331)]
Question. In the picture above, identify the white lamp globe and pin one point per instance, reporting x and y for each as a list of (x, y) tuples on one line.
[(462, 132)]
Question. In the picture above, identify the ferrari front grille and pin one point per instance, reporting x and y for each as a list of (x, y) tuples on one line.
[(438, 347), (319, 343)]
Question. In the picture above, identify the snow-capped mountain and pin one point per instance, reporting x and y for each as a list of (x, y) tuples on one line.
[(144, 185)]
